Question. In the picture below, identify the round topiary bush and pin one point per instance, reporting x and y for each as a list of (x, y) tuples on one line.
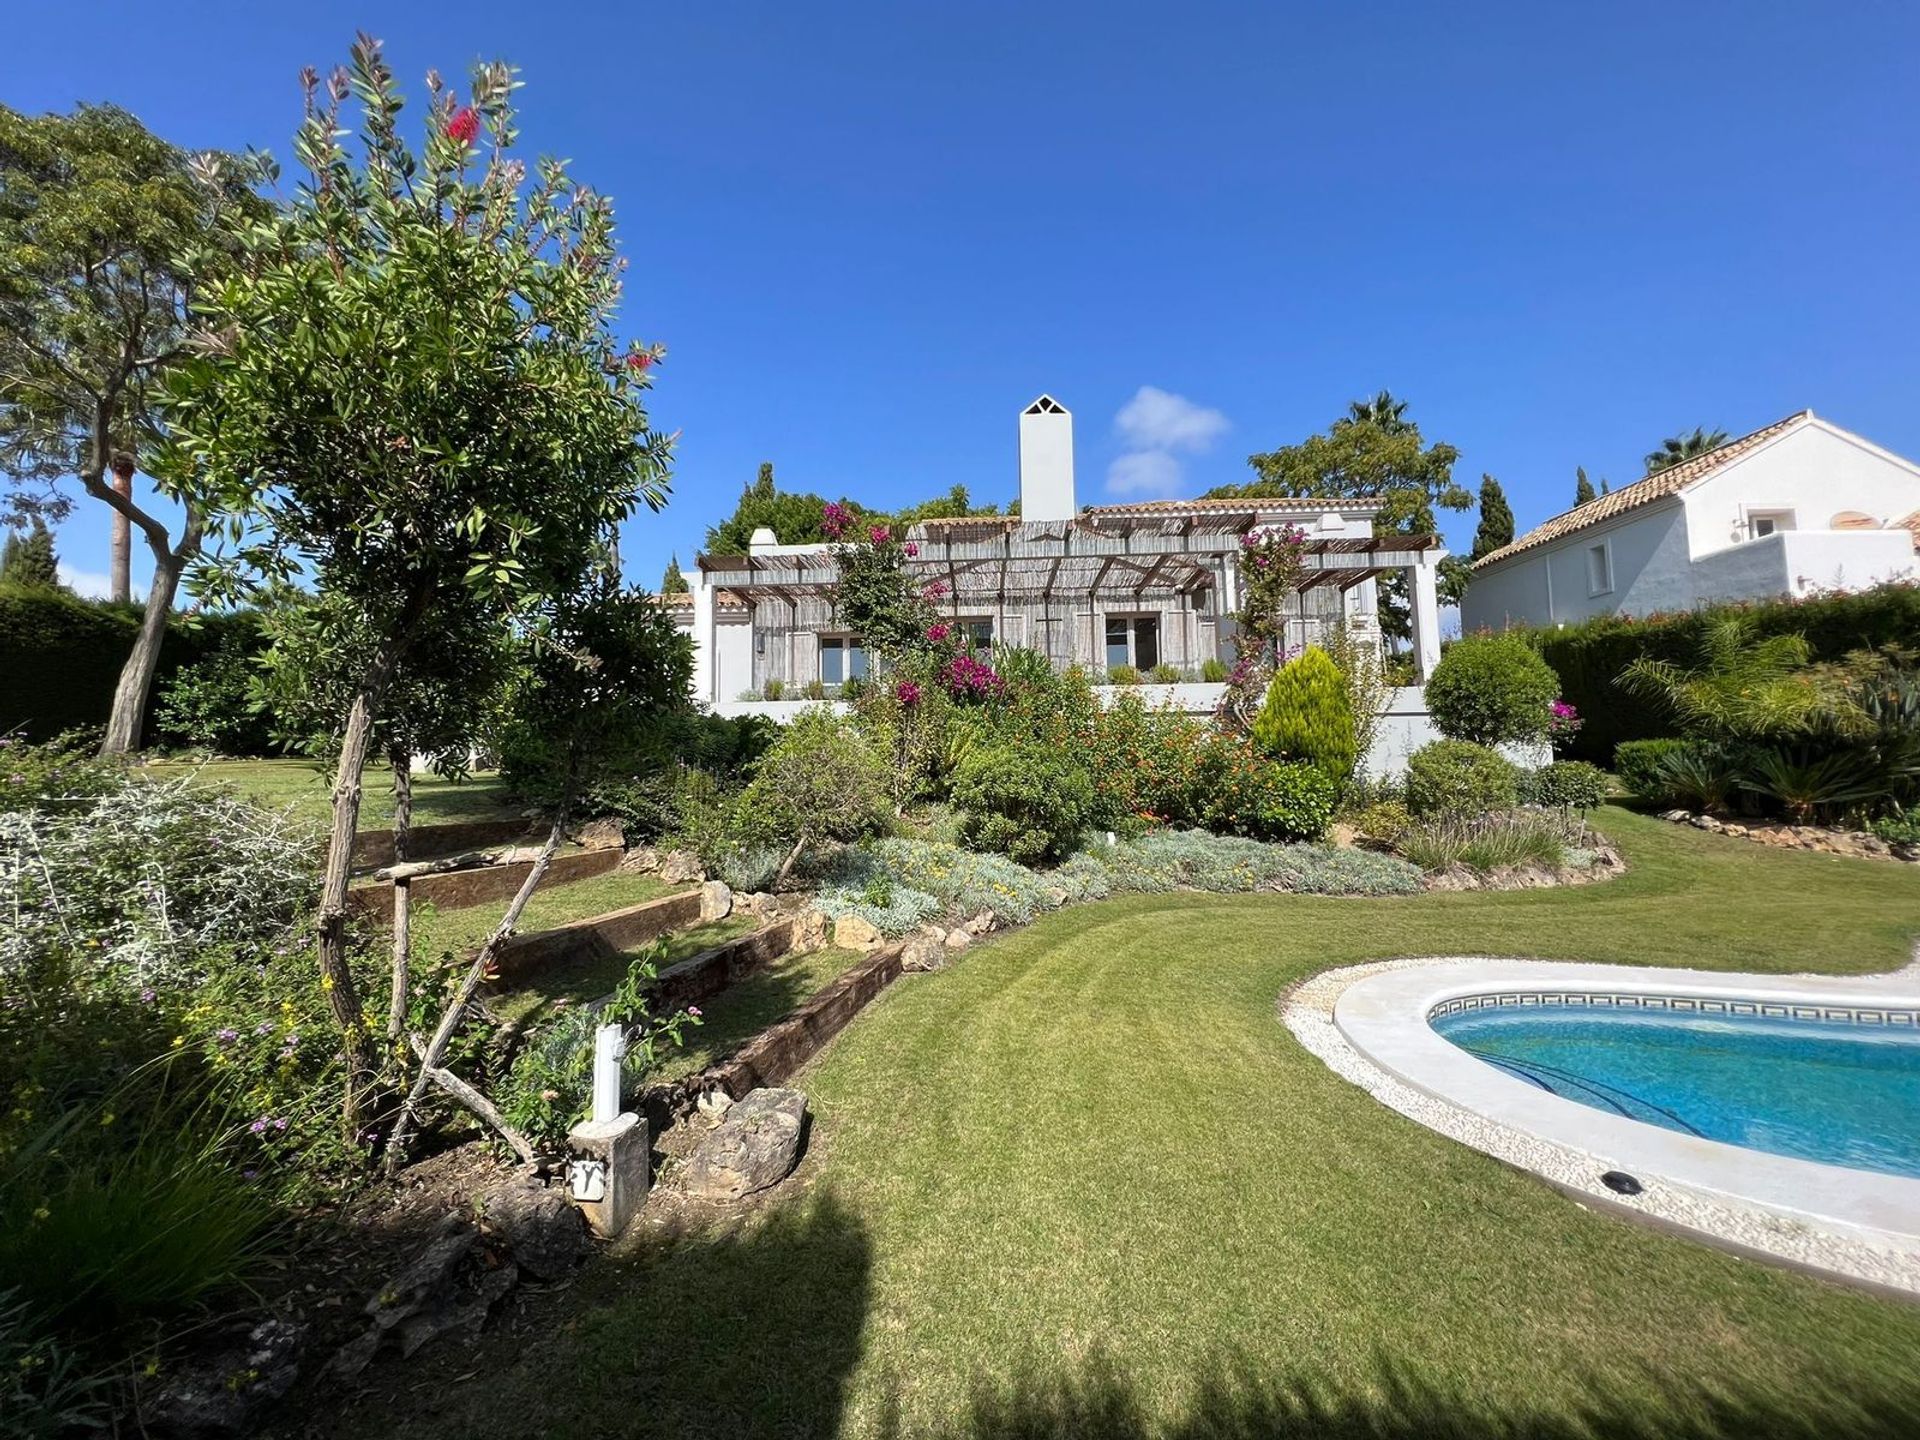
[(1458, 777), (1492, 690), (1567, 785), (1307, 718)]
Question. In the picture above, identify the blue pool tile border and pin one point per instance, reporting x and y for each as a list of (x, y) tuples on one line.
[(1874, 1016)]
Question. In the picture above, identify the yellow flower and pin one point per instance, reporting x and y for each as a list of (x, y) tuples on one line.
[(42, 1213)]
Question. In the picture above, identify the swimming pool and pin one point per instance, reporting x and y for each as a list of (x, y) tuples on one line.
[(1835, 1085)]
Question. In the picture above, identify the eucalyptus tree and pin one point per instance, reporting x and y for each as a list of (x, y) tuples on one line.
[(106, 234), (410, 390)]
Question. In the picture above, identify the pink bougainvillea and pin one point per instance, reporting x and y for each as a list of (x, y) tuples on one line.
[(1563, 721), (938, 631), (878, 534), (907, 693), (834, 520), (935, 589), (911, 549), (464, 126), (968, 678)]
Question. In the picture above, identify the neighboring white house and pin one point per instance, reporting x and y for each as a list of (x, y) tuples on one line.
[(1797, 508), (1150, 586)]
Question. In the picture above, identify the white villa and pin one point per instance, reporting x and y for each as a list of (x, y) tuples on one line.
[(1145, 585), (1799, 507)]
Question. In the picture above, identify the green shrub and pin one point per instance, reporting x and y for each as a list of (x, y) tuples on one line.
[(1638, 764), (1458, 777), (1307, 717), (1282, 802), (891, 909), (1122, 675), (963, 881), (1164, 674), (1165, 860), (1900, 828), (1489, 842), (773, 689), (1492, 690), (1214, 671), (1566, 785), (1698, 776), (1383, 820), (1026, 801), (1590, 656), (820, 781)]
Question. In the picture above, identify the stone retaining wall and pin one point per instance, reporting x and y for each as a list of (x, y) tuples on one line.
[(712, 971), (373, 849)]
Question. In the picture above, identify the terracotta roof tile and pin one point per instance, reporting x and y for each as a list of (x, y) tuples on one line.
[(1910, 522), (1670, 481)]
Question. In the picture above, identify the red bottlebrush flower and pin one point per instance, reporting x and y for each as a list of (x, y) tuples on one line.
[(464, 125), (639, 360)]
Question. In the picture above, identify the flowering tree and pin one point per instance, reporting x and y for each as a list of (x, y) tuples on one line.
[(411, 391), (1272, 562)]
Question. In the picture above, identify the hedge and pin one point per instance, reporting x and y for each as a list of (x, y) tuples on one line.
[(61, 656), (1588, 656)]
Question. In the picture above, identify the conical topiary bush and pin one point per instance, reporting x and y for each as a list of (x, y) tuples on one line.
[(1307, 718)]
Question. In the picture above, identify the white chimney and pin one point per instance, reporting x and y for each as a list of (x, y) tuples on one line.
[(1046, 461)]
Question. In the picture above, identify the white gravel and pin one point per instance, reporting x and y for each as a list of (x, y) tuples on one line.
[(1307, 1011)]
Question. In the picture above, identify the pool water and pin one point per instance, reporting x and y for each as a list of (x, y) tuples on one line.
[(1836, 1092)]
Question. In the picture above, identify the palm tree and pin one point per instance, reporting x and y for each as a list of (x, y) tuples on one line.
[(1676, 448), (1382, 410)]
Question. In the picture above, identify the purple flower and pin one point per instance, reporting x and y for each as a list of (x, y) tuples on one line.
[(226, 1035), (911, 549), (938, 631), (281, 1123), (259, 1127), (907, 692), (694, 1010), (878, 534), (147, 997)]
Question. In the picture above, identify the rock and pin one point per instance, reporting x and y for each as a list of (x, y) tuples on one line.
[(430, 1274), (467, 1310), (957, 940), (754, 902), (716, 901), (755, 1146), (1702, 822), (641, 860), (1737, 831), (602, 834), (681, 867), (925, 949), (982, 924), (851, 932), (714, 1103), (1608, 858), (1678, 817), (539, 1225), (223, 1394), (809, 932)]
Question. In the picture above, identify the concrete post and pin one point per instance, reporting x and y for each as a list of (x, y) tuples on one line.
[(706, 649), (609, 1172), (1424, 594)]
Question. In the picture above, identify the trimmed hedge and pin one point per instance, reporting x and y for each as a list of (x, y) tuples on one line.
[(1458, 777), (1588, 656), (62, 655)]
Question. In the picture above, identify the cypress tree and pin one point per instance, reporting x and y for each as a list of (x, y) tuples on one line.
[(673, 582), (29, 561), (1307, 717), (1496, 519), (1582, 487)]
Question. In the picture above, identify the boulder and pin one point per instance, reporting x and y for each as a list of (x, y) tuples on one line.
[(958, 939), (223, 1394), (925, 949), (681, 867), (714, 1103), (716, 901), (641, 860), (809, 932), (982, 924), (851, 932), (756, 1145), (539, 1225), (602, 834), (1678, 817)]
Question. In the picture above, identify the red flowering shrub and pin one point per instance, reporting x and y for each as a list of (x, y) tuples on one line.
[(464, 126)]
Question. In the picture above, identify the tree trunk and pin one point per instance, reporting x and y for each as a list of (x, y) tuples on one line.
[(136, 676), (120, 547), (336, 978), (450, 1018), (402, 763)]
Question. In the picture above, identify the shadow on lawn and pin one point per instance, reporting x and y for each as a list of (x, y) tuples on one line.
[(1246, 1405)]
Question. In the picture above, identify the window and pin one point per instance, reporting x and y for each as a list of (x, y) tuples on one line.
[(842, 658), (977, 631), (1761, 523), (1133, 640), (1599, 569)]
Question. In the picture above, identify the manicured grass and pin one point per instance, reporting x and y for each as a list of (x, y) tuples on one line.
[(304, 786), (1084, 1182), (743, 1010), (459, 932), (591, 977)]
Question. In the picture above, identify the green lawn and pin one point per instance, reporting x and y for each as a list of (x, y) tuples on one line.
[(304, 785), (1084, 1182), (743, 1010), (592, 976), (436, 932)]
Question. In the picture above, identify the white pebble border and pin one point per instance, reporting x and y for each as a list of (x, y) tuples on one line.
[(1307, 1010)]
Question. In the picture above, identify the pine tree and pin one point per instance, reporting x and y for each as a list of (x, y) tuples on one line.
[(1496, 519), (1307, 717), (673, 582), (28, 561), (1582, 487)]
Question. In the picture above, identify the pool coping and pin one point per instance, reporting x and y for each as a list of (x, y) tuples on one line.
[(1370, 1024)]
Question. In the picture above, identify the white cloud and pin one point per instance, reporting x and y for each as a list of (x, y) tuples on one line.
[(1144, 472), (85, 582), (1156, 419)]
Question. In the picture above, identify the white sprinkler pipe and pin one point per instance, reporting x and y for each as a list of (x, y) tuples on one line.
[(609, 1049)]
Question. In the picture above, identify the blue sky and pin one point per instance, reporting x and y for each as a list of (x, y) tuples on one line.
[(868, 234)]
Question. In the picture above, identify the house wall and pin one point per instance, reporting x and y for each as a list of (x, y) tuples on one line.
[(1548, 585), (1814, 471)]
